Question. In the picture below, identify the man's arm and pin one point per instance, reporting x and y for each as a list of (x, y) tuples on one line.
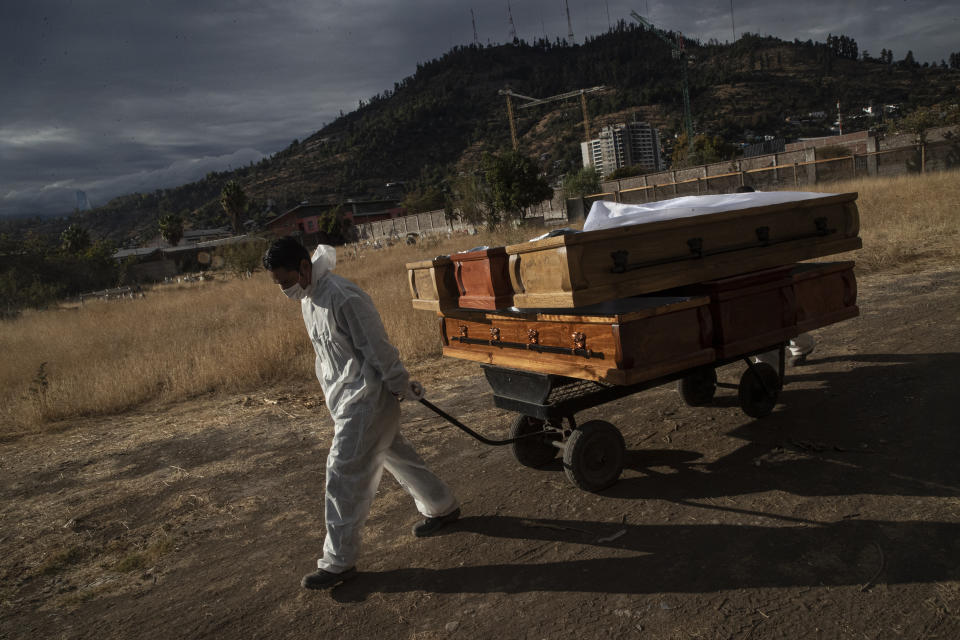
[(358, 317)]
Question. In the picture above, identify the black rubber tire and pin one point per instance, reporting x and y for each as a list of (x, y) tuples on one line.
[(757, 399), (535, 451), (593, 457), (698, 388)]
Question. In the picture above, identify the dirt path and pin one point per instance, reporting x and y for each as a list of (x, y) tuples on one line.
[(837, 516)]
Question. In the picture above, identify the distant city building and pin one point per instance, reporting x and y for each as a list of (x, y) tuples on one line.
[(623, 145)]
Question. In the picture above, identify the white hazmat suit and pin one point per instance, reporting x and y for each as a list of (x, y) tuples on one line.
[(361, 376)]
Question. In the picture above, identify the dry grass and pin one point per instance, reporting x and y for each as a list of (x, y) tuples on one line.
[(905, 218), (184, 340), (241, 335)]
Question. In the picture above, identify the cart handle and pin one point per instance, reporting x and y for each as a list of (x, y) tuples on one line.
[(446, 416)]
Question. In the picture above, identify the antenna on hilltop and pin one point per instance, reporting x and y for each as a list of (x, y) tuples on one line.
[(609, 26), (733, 28), (473, 20), (569, 25), (513, 29)]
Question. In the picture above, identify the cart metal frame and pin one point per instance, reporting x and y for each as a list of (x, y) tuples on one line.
[(593, 453)]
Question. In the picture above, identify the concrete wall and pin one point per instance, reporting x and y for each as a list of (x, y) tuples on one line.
[(547, 212)]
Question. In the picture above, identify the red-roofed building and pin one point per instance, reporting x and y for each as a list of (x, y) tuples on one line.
[(304, 219)]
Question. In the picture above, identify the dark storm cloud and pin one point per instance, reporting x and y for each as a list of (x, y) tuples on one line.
[(107, 96)]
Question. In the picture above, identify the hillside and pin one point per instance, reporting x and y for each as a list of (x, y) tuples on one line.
[(440, 119)]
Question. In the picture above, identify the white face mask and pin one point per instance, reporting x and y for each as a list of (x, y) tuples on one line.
[(296, 292)]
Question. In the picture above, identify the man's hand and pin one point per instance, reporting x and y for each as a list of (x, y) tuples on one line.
[(414, 391)]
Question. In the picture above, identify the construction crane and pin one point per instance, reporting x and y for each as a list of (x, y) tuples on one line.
[(679, 53), (533, 102)]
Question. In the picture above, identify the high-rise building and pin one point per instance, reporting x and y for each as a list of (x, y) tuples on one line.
[(623, 145)]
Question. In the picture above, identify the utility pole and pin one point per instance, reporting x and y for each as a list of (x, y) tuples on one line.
[(733, 28)]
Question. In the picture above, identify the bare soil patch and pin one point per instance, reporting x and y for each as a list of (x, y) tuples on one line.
[(837, 516)]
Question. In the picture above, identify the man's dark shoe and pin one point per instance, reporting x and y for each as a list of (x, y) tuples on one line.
[(321, 579), (430, 526)]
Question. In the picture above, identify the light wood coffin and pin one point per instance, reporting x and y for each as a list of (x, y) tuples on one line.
[(586, 268), (432, 284), (631, 340), (619, 342)]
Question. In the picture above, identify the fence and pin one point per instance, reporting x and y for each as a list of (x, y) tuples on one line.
[(789, 169), (419, 223), (935, 156)]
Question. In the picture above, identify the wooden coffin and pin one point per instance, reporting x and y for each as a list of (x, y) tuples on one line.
[(825, 293), (586, 268), (482, 279), (750, 311), (631, 340), (756, 310), (619, 342), (432, 284)]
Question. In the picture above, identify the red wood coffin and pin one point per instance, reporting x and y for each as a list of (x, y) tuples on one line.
[(482, 279)]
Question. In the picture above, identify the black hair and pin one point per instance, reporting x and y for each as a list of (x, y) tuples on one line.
[(745, 189), (286, 252)]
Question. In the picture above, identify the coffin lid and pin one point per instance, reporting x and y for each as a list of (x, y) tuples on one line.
[(680, 223)]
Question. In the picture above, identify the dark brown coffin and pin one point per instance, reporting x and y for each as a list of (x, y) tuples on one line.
[(825, 293), (619, 342), (482, 278), (760, 309)]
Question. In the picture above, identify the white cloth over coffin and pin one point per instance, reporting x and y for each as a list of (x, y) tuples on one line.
[(607, 215)]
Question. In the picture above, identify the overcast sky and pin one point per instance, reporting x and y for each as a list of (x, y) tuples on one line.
[(116, 96)]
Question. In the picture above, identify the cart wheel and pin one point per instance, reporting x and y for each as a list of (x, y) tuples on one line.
[(535, 451), (593, 457), (697, 389), (757, 398)]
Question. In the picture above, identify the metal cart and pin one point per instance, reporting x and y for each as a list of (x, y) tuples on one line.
[(593, 452)]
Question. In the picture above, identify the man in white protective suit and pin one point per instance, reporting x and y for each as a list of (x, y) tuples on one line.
[(363, 382)]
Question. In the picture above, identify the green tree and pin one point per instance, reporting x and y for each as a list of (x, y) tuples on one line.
[(515, 183), (582, 183), (171, 228), (628, 171), (234, 203), (75, 239), (919, 122), (705, 150), (472, 199), (423, 199)]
